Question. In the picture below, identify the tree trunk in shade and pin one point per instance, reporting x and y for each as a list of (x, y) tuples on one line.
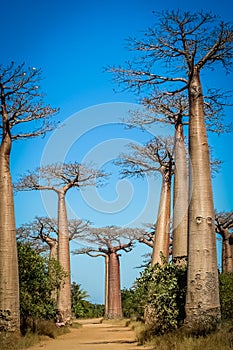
[(64, 292), (114, 289), (202, 300), (180, 209), (9, 280), (162, 235)]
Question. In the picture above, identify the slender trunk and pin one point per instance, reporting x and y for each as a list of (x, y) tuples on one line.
[(106, 285), (64, 293), (180, 210), (53, 255), (202, 300), (162, 235), (227, 253), (9, 280), (114, 290)]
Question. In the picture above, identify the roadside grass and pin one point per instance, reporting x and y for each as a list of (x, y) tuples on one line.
[(179, 340), (44, 329)]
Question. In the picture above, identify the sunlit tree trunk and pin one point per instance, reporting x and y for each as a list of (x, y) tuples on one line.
[(64, 292), (114, 289), (162, 234), (9, 280), (180, 210), (106, 285), (202, 301)]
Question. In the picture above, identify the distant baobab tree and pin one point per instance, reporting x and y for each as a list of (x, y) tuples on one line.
[(60, 178), (108, 242), (224, 227)]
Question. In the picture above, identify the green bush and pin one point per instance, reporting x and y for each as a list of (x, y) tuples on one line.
[(226, 293), (38, 277), (160, 292)]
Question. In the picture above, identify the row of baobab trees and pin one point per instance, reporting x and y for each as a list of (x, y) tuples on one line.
[(166, 73)]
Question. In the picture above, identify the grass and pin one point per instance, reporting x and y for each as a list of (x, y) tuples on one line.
[(10, 341), (178, 340)]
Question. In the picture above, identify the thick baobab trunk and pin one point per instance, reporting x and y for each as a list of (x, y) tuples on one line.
[(9, 280), (106, 286), (162, 234), (114, 289), (64, 292), (53, 255), (202, 301), (180, 210)]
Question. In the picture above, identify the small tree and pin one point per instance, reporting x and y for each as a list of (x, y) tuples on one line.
[(23, 116), (60, 178)]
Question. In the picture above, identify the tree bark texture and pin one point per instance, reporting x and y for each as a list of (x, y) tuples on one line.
[(202, 300), (9, 280), (64, 293), (114, 289), (180, 209), (106, 285), (162, 234), (227, 255)]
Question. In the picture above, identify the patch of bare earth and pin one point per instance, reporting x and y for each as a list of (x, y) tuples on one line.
[(93, 335)]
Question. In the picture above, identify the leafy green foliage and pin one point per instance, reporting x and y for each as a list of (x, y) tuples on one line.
[(82, 308), (38, 277), (160, 292), (226, 295)]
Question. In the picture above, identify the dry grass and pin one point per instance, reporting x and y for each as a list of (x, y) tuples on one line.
[(44, 329), (221, 339)]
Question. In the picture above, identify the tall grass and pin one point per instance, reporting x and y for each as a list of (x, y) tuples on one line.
[(43, 328), (179, 340)]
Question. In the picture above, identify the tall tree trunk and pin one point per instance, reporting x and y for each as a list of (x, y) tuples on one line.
[(114, 289), (162, 234), (64, 293), (9, 279), (180, 210), (106, 285), (202, 301), (53, 255), (227, 254)]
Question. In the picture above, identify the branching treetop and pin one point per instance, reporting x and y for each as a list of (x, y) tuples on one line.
[(59, 176), (45, 229), (224, 224), (21, 102), (178, 43), (107, 240), (156, 155)]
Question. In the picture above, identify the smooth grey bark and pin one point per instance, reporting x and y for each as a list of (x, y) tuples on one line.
[(162, 234), (202, 300), (9, 280), (180, 208), (64, 291)]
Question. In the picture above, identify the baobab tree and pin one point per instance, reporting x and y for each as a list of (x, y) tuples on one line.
[(108, 242), (21, 103), (42, 233), (60, 178), (173, 55), (224, 227), (156, 156)]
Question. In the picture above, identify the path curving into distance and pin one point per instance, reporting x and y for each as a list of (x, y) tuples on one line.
[(93, 335)]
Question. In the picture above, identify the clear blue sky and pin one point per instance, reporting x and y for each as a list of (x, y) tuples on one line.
[(72, 41)]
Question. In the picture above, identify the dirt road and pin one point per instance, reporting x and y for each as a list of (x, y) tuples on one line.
[(93, 335)]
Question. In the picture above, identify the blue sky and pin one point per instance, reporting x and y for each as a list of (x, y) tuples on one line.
[(72, 42)]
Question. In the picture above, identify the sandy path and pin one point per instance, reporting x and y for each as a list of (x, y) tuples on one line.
[(93, 336)]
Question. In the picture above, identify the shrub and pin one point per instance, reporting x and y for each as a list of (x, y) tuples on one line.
[(226, 293)]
